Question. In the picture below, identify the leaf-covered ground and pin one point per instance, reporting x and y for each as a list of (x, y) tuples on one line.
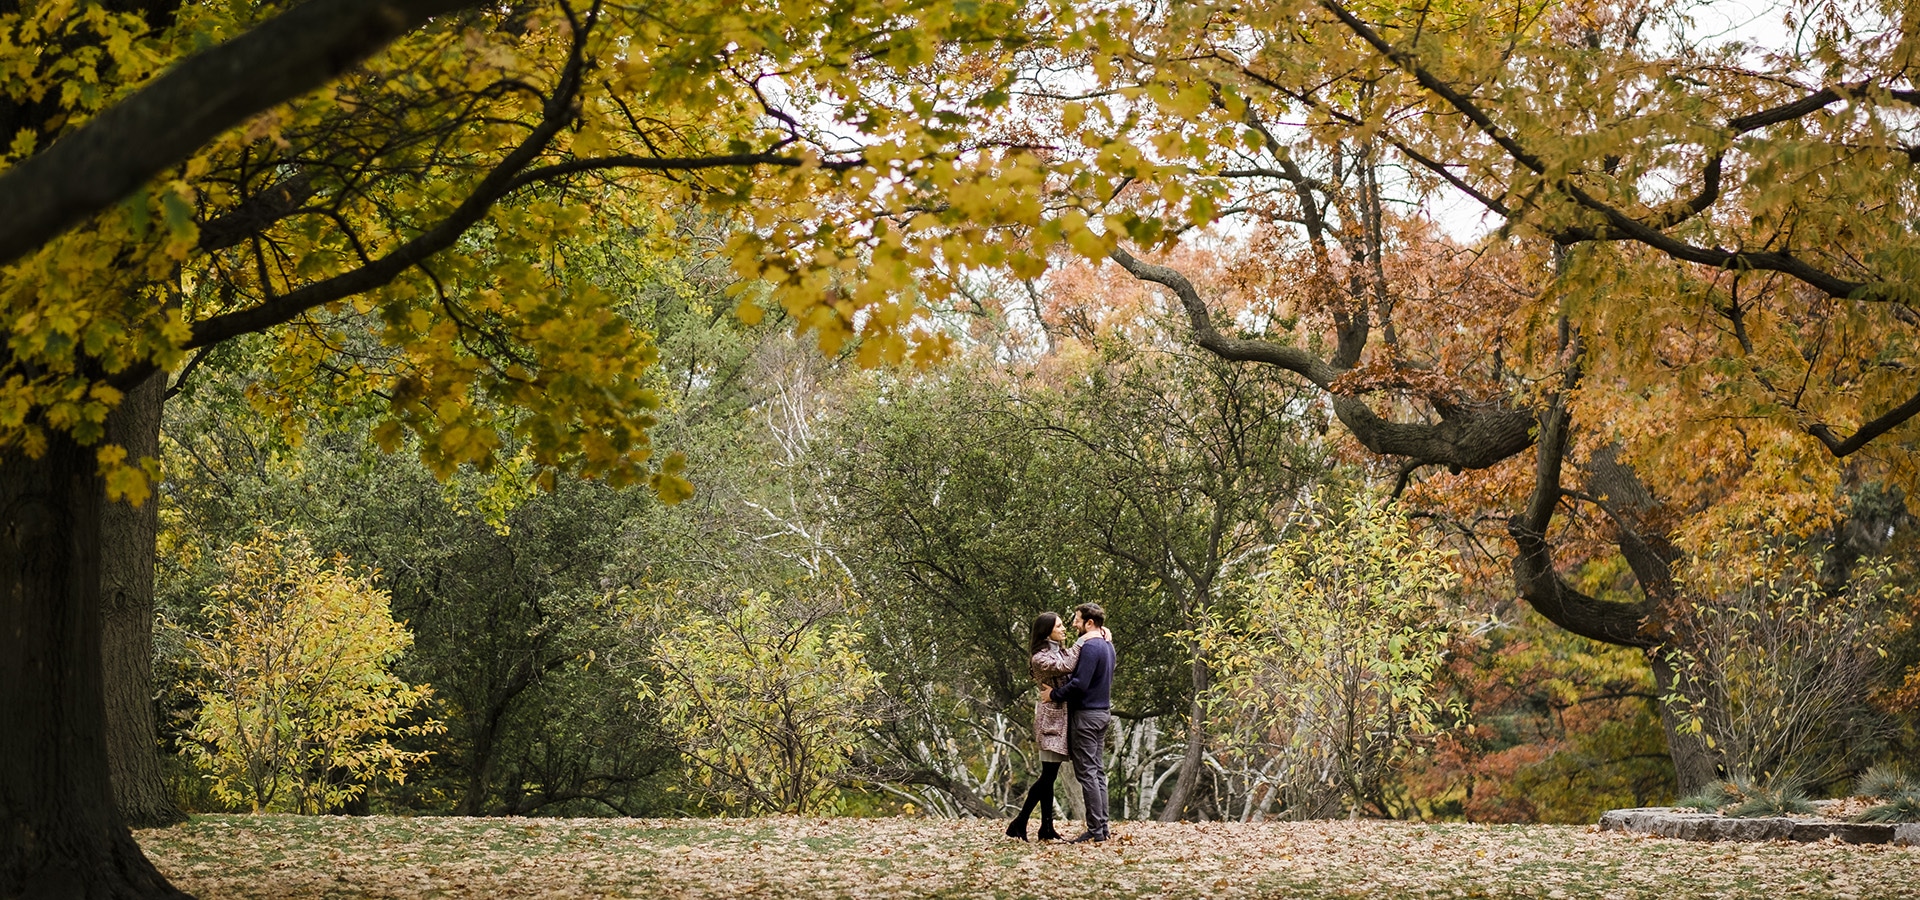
[(239, 857)]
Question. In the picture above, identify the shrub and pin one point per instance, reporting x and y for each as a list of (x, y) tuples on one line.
[(1323, 675), (1884, 782), (1740, 798), (1776, 666), (1902, 807), (1783, 801), (297, 703), (1709, 799), (765, 700)]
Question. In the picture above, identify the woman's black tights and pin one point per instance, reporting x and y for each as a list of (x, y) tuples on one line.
[(1041, 795)]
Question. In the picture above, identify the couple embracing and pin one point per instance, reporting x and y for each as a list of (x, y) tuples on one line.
[(1070, 718)]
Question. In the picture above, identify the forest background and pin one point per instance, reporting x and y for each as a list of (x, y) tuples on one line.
[(948, 317), (1076, 448)]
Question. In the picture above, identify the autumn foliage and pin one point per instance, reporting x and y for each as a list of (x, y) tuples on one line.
[(298, 707), (1325, 675), (1189, 257), (765, 704)]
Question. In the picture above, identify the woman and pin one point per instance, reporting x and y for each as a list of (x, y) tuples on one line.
[(1050, 665)]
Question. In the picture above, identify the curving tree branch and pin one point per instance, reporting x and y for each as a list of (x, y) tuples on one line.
[(1293, 359), (162, 124), (1886, 422), (1464, 438), (1533, 570), (1618, 225)]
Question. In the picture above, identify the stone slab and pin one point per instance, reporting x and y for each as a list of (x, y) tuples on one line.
[(1693, 825)]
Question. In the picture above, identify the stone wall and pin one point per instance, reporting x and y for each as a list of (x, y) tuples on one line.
[(1692, 825)]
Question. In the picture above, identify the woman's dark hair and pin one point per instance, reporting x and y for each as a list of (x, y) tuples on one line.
[(1042, 632)]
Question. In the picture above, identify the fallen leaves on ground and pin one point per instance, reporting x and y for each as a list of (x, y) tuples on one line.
[(277, 857), (1845, 809)]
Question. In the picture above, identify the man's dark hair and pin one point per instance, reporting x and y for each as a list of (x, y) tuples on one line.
[(1042, 632), (1091, 612)]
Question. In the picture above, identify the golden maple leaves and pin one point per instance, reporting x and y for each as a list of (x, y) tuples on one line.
[(888, 154)]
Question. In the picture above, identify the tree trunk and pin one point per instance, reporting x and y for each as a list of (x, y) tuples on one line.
[(127, 549), (1649, 554), (60, 836), (1693, 762), (486, 726), (1196, 754), (865, 770), (474, 801), (1073, 803)]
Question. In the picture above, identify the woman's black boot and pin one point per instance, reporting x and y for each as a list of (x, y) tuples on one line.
[(1046, 820)]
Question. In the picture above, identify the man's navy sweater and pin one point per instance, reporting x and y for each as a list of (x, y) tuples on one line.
[(1091, 685)]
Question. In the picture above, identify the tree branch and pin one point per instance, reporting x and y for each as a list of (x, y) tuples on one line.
[(162, 124), (1293, 359), (1618, 225), (180, 382), (1464, 438), (1533, 570), (1890, 420), (257, 213), (1790, 111), (671, 164), (508, 176)]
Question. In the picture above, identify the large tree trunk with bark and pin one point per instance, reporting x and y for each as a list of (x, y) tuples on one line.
[(479, 764), (60, 836), (127, 549), (1196, 755), (1649, 554), (1694, 766)]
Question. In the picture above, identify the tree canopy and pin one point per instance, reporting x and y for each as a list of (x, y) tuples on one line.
[(1695, 311)]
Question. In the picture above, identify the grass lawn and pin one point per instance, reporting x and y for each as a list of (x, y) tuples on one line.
[(240, 857)]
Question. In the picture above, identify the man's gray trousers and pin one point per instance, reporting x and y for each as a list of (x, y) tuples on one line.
[(1086, 736)]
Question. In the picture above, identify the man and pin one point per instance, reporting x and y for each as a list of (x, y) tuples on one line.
[(1087, 694)]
